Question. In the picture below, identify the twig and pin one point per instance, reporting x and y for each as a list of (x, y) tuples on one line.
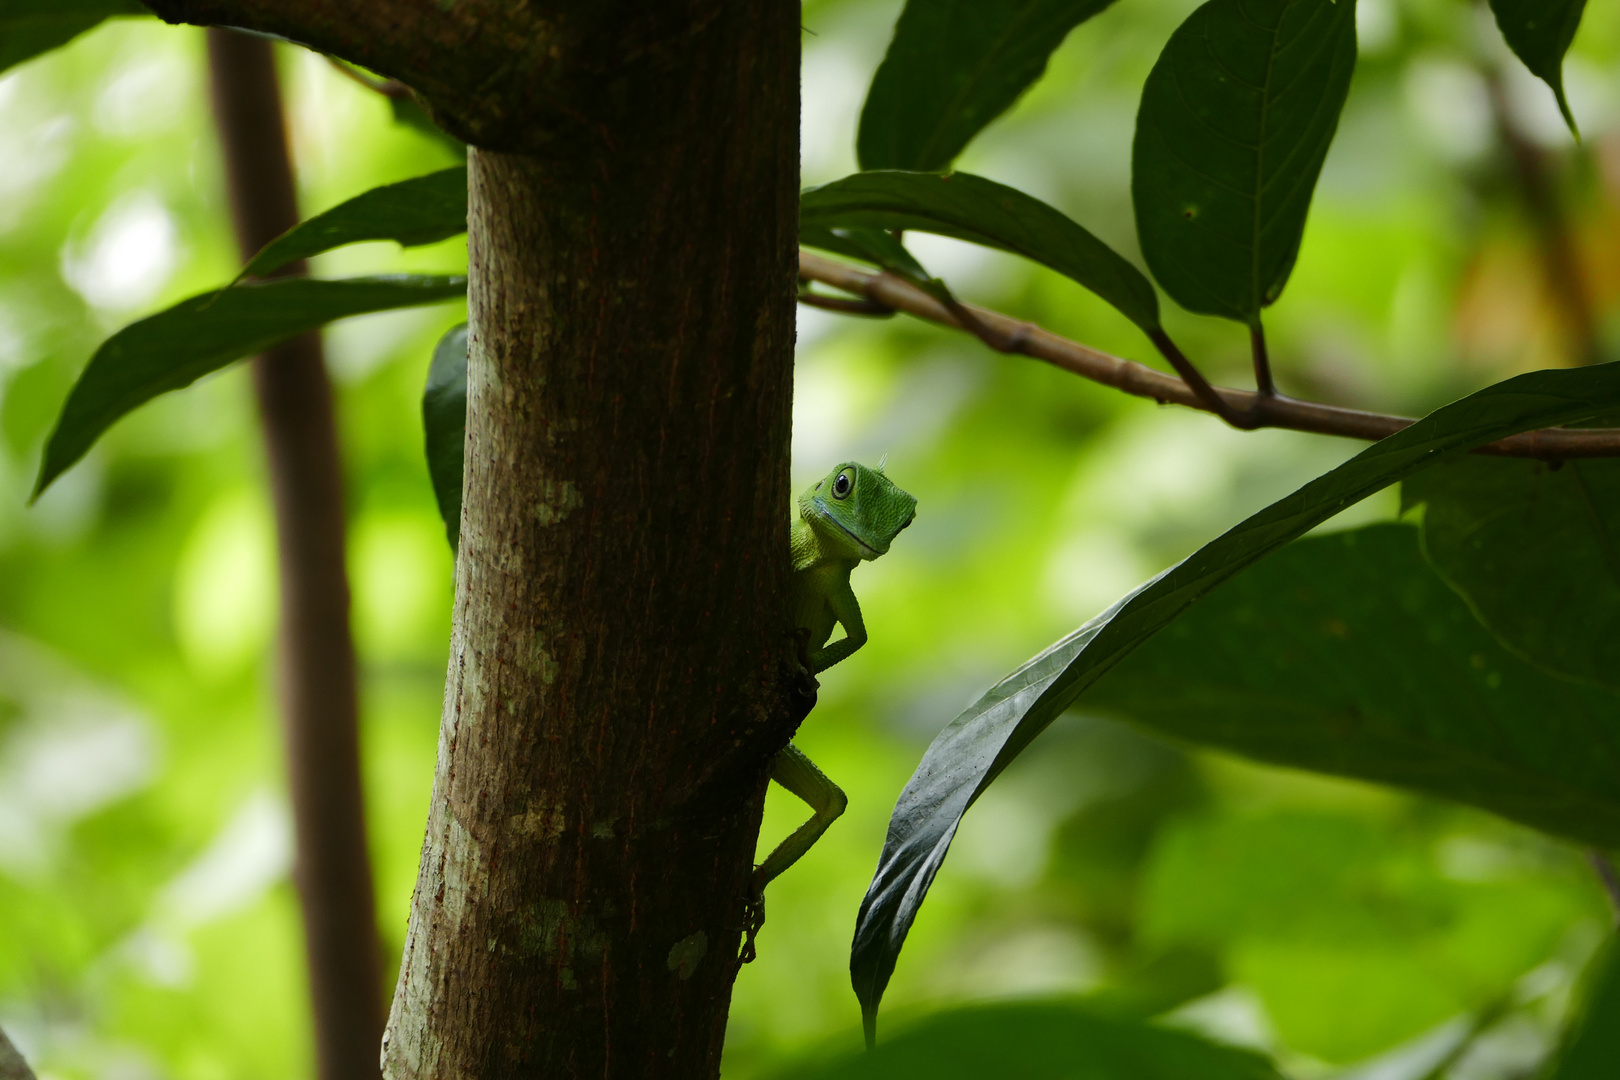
[(1552, 444), (388, 88), (1263, 384), (1207, 397)]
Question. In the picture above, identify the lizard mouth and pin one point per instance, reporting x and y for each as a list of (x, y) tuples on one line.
[(826, 515)]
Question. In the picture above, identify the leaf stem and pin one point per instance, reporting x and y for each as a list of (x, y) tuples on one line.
[(1263, 384), (1208, 397), (1550, 444)]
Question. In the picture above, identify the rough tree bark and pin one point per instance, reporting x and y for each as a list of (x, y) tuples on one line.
[(319, 707), (616, 684)]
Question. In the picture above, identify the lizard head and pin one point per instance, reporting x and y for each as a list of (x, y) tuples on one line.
[(858, 508)]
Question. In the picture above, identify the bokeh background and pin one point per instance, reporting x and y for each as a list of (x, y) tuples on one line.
[(147, 925)]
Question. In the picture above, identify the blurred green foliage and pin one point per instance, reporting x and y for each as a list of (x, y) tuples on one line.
[(147, 928)]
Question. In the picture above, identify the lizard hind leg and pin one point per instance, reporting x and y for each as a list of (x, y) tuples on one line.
[(798, 774)]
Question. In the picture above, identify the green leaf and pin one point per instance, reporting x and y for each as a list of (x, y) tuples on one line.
[(1592, 1041), (176, 347), (1235, 122), (31, 27), (1040, 1040), (1346, 654), (1539, 33), (444, 424), (1536, 553), (973, 750), (421, 210), (952, 68), (983, 212)]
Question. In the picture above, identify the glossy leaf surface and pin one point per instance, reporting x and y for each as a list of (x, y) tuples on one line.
[(983, 212), (1536, 553), (952, 68), (1235, 122), (1040, 1040), (1540, 33), (444, 425), (422, 210), (31, 27), (176, 347), (975, 747), (1346, 654)]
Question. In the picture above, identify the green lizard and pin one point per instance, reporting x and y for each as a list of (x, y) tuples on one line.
[(851, 515)]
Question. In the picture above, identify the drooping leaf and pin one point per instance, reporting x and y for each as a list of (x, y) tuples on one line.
[(1347, 654), (1235, 122), (1040, 1040), (1539, 32), (952, 68), (975, 747), (31, 27), (422, 210), (1536, 553), (176, 347), (1591, 1046), (984, 212), (444, 425)]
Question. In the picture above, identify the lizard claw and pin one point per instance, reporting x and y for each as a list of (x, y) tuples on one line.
[(753, 919)]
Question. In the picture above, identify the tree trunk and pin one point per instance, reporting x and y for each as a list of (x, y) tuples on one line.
[(319, 711), (616, 673)]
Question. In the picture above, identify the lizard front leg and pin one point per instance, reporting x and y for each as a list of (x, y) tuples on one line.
[(847, 610)]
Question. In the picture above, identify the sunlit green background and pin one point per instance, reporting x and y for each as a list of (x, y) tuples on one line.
[(147, 926)]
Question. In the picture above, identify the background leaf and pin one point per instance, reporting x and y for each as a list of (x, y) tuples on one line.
[(1040, 1040), (974, 748), (1535, 551), (1540, 32), (1592, 1043), (444, 425), (984, 212), (1346, 654), (31, 27), (422, 210), (176, 347), (1235, 122), (953, 67)]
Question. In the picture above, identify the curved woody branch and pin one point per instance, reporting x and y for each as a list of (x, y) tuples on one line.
[(885, 291)]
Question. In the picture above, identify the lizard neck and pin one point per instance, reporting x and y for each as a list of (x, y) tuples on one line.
[(811, 549)]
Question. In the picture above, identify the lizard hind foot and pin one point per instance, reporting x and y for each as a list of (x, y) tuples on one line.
[(753, 920)]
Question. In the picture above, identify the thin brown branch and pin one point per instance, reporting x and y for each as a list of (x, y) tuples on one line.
[(1553, 444), (388, 88), (318, 682)]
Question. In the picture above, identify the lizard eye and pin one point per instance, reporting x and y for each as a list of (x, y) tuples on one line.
[(843, 484)]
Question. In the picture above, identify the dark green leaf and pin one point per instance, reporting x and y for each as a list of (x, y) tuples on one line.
[(1591, 1046), (176, 347), (1536, 552), (952, 68), (1539, 32), (984, 212), (31, 27), (422, 210), (973, 750), (444, 424), (1236, 119), (1040, 1040), (1346, 654)]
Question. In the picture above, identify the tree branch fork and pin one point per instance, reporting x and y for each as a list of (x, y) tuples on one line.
[(882, 294)]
